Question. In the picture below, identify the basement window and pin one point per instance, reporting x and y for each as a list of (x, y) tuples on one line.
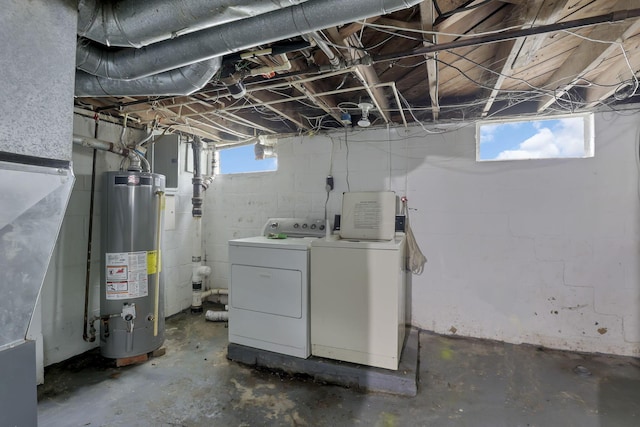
[(558, 137), (247, 158)]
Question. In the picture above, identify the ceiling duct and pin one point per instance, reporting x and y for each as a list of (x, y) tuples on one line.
[(181, 81), (313, 15), (137, 23)]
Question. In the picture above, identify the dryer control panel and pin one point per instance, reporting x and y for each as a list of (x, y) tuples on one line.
[(295, 227)]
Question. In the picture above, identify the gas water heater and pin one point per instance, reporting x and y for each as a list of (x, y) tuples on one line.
[(131, 285)]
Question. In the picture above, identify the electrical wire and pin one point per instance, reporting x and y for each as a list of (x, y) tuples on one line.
[(346, 144), (624, 54), (442, 16), (437, 33)]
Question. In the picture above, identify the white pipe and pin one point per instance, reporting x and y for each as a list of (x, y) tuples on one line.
[(286, 66), (218, 291), (86, 141), (156, 299), (217, 316), (198, 271), (315, 36)]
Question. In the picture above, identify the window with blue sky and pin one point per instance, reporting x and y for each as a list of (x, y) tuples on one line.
[(549, 138), (243, 159)]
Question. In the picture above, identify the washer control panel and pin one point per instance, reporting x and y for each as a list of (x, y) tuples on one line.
[(295, 227)]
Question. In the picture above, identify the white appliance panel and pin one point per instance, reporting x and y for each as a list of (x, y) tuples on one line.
[(358, 301), (267, 290), (273, 257), (290, 243), (368, 215)]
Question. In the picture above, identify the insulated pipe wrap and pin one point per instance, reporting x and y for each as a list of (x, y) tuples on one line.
[(181, 81), (137, 23), (214, 42)]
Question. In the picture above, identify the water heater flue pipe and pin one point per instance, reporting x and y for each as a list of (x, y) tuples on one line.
[(198, 271), (100, 145)]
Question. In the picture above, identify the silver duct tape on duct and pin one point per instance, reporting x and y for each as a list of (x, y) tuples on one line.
[(139, 23), (129, 64), (33, 200)]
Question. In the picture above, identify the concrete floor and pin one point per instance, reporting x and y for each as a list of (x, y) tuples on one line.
[(463, 382)]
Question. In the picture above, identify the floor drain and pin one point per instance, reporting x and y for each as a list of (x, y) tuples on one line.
[(582, 371)]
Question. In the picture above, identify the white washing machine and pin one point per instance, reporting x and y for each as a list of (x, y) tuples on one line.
[(269, 287), (358, 300)]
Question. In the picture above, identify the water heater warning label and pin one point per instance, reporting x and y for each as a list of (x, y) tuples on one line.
[(126, 275)]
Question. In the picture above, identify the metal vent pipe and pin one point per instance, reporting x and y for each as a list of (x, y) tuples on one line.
[(137, 23), (209, 43)]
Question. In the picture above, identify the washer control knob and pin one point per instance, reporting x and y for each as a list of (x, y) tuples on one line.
[(313, 226), (321, 227), (296, 225), (304, 225), (274, 225)]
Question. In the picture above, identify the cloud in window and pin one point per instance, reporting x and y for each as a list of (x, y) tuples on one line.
[(553, 139)]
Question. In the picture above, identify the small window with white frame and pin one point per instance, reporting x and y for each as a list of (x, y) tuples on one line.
[(558, 137), (246, 158)]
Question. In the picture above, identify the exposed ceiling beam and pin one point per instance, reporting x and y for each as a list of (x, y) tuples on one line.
[(427, 14), (255, 122), (412, 26), (368, 76), (508, 51), (550, 11), (353, 28), (288, 114), (464, 22), (326, 104), (589, 55), (618, 71), (512, 34)]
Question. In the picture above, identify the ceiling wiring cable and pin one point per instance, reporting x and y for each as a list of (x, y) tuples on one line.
[(415, 258), (437, 33), (343, 47), (624, 54), (346, 144), (330, 174), (404, 100), (497, 73), (452, 12)]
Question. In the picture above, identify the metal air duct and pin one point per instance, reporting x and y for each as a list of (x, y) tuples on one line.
[(181, 81), (139, 23), (209, 43)]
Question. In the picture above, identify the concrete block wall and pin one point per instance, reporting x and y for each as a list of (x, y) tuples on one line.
[(62, 295), (178, 242), (542, 251)]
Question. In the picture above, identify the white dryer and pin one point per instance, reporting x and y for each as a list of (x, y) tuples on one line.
[(269, 287)]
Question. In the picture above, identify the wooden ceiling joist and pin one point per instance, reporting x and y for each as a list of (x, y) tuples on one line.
[(602, 42), (283, 112), (427, 14), (549, 11)]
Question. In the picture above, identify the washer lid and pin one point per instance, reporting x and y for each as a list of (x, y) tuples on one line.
[(290, 243), (335, 242)]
